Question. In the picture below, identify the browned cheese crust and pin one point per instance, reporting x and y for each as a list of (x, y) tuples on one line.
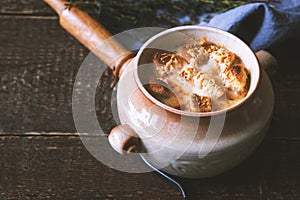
[(200, 103), (168, 63), (233, 77), (234, 74)]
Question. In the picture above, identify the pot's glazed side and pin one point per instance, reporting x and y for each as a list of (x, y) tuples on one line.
[(175, 144)]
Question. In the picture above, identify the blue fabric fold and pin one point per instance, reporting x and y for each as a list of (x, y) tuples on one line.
[(261, 25)]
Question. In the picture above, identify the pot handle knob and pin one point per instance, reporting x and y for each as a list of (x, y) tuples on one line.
[(267, 62), (125, 140)]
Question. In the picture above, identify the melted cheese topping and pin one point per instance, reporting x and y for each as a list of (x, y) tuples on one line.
[(204, 76)]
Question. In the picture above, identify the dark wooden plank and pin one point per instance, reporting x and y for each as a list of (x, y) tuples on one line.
[(286, 84), (60, 167), (25, 7), (286, 115), (38, 65), (38, 62), (265, 175)]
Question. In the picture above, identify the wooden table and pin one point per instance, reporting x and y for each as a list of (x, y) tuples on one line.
[(42, 156)]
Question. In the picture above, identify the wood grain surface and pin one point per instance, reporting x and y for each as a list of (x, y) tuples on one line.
[(56, 167), (25, 7), (41, 156)]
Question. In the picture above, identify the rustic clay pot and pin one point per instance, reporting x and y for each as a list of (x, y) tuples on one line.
[(189, 144), (186, 144)]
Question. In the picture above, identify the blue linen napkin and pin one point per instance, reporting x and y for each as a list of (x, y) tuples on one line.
[(260, 25)]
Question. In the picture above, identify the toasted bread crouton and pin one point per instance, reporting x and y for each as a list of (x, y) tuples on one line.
[(168, 63), (237, 79), (200, 103)]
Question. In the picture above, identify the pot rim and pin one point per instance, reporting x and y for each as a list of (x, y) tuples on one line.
[(244, 46)]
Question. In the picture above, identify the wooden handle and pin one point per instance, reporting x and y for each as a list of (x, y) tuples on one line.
[(92, 35)]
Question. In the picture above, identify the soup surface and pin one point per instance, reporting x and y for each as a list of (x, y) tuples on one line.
[(199, 77)]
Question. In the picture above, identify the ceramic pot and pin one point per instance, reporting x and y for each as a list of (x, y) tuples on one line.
[(189, 144), (185, 144)]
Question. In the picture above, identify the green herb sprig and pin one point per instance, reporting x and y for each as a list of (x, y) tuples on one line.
[(166, 13)]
